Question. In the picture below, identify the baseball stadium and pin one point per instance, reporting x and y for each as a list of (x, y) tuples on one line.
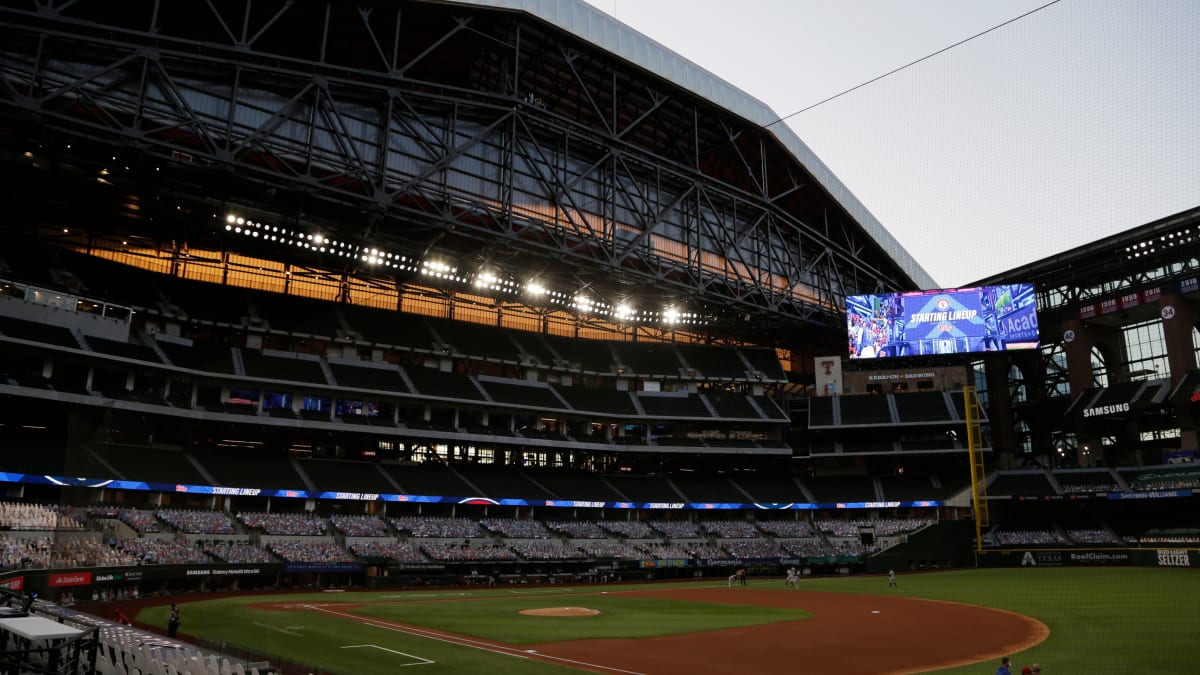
[(493, 336)]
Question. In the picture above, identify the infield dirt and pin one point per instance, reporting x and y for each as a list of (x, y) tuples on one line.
[(848, 635)]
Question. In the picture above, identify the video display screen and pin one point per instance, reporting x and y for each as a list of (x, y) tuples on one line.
[(946, 321)]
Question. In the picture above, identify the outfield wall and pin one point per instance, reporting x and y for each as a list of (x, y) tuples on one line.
[(82, 582), (1090, 557), (149, 579)]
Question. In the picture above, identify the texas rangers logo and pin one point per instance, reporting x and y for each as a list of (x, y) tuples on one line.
[(943, 304)]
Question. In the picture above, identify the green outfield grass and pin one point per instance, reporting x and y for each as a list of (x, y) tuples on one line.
[(1142, 620), (1101, 620)]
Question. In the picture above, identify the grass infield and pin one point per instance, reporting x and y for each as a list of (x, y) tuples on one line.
[(1101, 620), (621, 616)]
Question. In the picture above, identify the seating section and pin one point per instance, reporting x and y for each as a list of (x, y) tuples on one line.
[(730, 529), (789, 529), (295, 315), (162, 552), (648, 358), (1086, 481), (156, 465), (960, 408), (645, 488), (359, 525), (501, 482), (909, 487), (467, 551), (765, 361), (126, 350), (850, 528), (770, 408), (675, 529), (865, 409), (346, 476), (820, 411), (383, 327), (236, 553), (575, 485), (713, 362), (538, 397), (577, 529), (1026, 532), (381, 378), (922, 406), (310, 551), (238, 468), (395, 551), (712, 488), (21, 516), (606, 401), (193, 521), (207, 302), (1021, 484), (37, 332), (770, 489), (1181, 477), (517, 528), (690, 405), (293, 369), (434, 527), (533, 348), (595, 357), (830, 489), (291, 524), (431, 382), (476, 340), (429, 479), (202, 356), (729, 405)]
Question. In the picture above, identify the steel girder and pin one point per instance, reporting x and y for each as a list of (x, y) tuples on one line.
[(1156, 254), (483, 135)]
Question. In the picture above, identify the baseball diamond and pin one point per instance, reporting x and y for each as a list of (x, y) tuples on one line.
[(492, 336)]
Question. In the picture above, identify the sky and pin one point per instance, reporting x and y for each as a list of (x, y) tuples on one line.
[(1078, 121)]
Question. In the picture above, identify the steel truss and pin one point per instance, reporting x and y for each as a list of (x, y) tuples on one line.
[(480, 134)]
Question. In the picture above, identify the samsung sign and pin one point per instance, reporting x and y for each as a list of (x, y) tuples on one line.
[(1101, 410)]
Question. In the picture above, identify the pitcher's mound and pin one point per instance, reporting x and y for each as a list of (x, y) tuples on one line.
[(560, 611)]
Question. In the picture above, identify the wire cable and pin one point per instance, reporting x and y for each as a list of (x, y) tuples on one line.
[(910, 64)]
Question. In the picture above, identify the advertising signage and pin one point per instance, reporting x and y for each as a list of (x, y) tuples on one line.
[(34, 479), (947, 321)]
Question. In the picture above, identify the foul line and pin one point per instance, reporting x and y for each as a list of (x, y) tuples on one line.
[(465, 641), (420, 661)]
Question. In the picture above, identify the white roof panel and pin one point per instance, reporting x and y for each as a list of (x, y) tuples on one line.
[(603, 30)]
